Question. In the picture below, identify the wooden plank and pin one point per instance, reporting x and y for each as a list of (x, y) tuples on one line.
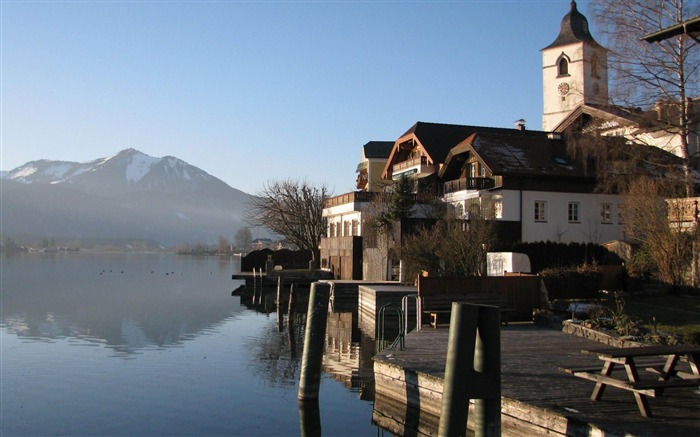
[(664, 384), (643, 351), (538, 398), (660, 370)]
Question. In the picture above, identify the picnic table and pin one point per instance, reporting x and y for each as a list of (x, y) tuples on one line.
[(667, 374)]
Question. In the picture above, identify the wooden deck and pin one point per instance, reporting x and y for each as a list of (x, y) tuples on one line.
[(537, 398)]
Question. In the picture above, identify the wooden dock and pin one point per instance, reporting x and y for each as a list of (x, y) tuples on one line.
[(537, 398)]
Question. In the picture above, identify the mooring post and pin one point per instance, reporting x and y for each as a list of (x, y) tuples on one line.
[(472, 371), (279, 290), (487, 363), (309, 419), (460, 358), (292, 302), (278, 302), (314, 340)]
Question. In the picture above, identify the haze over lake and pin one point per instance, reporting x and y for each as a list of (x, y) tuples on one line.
[(148, 344)]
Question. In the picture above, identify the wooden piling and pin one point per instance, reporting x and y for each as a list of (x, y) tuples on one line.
[(314, 339), (292, 301), (487, 364), (278, 302), (472, 371), (309, 418)]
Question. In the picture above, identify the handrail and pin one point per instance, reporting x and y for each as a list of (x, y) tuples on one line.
[(380, 331), (404, 307)]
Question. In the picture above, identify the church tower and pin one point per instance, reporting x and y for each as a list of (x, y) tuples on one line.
[(574, 70)]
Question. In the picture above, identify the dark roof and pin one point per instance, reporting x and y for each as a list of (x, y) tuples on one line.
[(378, 149), (515, 152), (574, 28), (438, 139)]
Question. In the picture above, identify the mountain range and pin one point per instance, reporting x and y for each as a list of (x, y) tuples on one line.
[(127, 196)]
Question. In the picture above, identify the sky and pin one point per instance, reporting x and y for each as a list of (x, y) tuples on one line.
[(255, 91)]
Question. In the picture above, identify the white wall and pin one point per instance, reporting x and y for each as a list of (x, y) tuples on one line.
[(557, 227)]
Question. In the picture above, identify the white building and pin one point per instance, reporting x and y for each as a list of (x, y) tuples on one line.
[(574, 70), (575, 94), (526, 180)]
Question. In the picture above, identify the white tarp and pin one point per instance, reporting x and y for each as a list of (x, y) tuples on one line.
[(499, 262)]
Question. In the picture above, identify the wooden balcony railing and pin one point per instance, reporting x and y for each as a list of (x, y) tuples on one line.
[(684, 210), (467, 184), (351, 197), (421, 160)]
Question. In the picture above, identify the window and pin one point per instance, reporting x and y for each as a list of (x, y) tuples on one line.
[(540, 211), (563, 67), (355, 228), (605, 213), (346, 228), (619, 214), (574, 209), (472, 170), (498, 209)]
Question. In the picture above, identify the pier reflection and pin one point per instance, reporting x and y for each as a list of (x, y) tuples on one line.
[(348, 350)]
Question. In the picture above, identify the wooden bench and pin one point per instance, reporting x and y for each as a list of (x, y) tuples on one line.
[(437, 306)]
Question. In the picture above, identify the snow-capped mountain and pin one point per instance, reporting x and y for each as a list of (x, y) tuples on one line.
[(129, 195), (129, 170)]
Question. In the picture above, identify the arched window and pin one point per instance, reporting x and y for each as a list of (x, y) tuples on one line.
[(563, 67)]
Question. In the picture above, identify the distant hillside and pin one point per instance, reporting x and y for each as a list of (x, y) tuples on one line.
[(127, 196)]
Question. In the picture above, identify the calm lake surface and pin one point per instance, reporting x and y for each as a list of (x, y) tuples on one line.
[(151, 344)]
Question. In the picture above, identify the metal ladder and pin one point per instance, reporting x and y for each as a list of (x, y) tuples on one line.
[(380, 336)]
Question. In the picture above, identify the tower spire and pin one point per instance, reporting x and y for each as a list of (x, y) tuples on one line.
[(574, 28)]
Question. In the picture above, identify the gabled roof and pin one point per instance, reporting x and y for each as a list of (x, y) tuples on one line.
[(437, 139), (515, 152), (603, 112), (574, 28), (378, 149)]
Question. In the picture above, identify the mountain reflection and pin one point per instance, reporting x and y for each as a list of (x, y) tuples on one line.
[(126, 302)]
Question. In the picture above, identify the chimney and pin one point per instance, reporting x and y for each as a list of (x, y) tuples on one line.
[(520, 124)]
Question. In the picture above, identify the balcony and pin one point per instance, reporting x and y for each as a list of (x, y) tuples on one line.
[(467, 184), (351, 197), (417, 167)]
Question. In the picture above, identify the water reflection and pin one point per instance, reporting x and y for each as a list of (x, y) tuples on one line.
[(348, 350), (193, 360), (127, 303)]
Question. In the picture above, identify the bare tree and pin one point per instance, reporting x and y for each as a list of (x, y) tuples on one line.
[(655, 223), (660, 76), (451, 247), (243, 239), (224, 246), (292, 209)]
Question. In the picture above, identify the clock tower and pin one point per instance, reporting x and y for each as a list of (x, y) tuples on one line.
[(574, 70)]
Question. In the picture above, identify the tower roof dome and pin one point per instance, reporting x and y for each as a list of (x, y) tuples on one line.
[(574, 28)]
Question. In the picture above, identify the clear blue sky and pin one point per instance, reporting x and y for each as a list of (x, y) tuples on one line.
[(255, 91)]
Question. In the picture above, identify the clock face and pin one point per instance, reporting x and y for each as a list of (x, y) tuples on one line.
[(563, 88)]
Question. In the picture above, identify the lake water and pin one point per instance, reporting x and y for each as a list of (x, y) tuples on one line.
[(151, 344)]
